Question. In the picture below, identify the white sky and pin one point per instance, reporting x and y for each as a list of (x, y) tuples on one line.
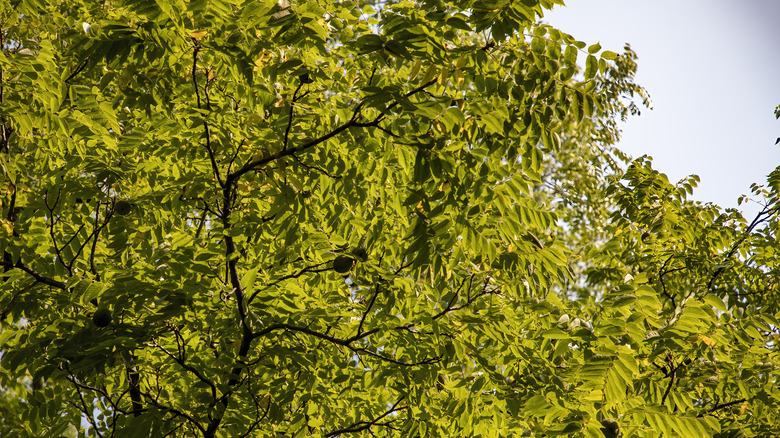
[(712, 68)]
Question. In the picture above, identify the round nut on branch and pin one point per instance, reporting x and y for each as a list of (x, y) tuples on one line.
[(123, 208), (610, 428), (102, 317), (361, 254), (342, 264)]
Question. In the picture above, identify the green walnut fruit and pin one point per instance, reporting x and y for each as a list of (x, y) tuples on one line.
[(102, 317), (342, 264), (361, 254), (123, 207), (611, 428)]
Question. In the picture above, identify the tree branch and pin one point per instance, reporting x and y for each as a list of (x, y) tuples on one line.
[(290, 117), (761, 217), (316, 334), (85, 411), (720, 406), (79, 69), (180, 360), (368, 309), (353, 121), (363, 425), (206, 129), (10, 305), (672, 374), (38, 277), (96, 235), (312, 268), (174, 411), (230, 250)]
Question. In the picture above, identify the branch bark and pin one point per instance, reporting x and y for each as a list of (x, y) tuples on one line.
[(720, 406)]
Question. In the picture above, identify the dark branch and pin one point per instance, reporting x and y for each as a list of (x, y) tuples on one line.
[(672, 374), (133, 385), (10, 305), (290, 117), (663, 272), (313, 268), (353, 121), (317, 168), (175, 412), (720, 406), (38, 277), (368, 310), (342, 342), (180, 360), (363, 425), (454, 298), (85, 410), (761, 217), (82, 65), (316, 334), (206, 129)]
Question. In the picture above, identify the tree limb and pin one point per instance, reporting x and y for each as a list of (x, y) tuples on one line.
[(38, 277), (363, 425), (720, 406)]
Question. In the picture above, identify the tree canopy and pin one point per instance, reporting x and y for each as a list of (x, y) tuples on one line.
[(234, 218)]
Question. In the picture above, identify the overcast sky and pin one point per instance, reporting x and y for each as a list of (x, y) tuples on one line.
[(712, 68)]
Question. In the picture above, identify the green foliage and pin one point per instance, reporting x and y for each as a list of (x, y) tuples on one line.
[(232, 218)]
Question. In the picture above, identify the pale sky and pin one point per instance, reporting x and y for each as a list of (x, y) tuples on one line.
[(712, 68)]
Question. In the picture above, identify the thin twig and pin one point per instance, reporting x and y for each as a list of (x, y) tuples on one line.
[(762, 216), (672, 374), (363, 425), (308, 269), (317, 168), (79, 69), (368, 309), (720, 406), (290, 117)]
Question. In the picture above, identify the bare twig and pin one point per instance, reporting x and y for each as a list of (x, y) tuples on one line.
[(174, 411), (85, 410), (316, 334), (720, 406), (206, 129), (342, 342), (96, 235), (672, 374), (308, 269), (290, 117), (363, 425), (181, 361), (10, 305), (762, 216), (368, 310), (663, 272), (454, 298), (317, 168), (79, 68), (353, 121)]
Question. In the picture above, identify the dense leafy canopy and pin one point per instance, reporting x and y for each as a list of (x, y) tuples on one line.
[(260, 218)]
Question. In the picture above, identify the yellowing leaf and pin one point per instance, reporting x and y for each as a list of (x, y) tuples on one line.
[(8, 226), (198, 34), (415, 69), (707, 340)]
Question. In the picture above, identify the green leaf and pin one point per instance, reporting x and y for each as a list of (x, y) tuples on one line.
[(570, 56), (591, 67), (609, 55)]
